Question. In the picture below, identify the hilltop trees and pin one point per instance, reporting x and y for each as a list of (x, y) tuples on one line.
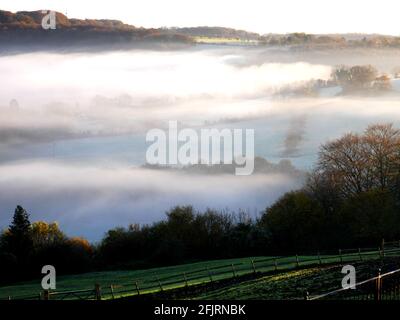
[(185, 235), (369, 217), (292, 220), (26, 27), (46, 234), (328, 41), (351, 198), (358, 79), (18, 240), (356, 163), (355, 78), (16, 245), (26, 247)]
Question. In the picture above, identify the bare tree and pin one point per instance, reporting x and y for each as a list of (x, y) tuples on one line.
[(382, 147), (356, 163)]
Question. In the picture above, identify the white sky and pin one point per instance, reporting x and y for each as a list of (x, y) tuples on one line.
[(263, 16)]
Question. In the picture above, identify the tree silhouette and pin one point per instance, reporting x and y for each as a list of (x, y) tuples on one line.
[(19, 237)]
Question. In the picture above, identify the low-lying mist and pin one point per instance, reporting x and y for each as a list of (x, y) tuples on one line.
[(72, 127), (89, 200)]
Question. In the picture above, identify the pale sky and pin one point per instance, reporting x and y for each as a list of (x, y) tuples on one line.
[(263, 16)]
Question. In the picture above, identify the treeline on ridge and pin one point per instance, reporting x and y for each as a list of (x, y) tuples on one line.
[(24, 28)]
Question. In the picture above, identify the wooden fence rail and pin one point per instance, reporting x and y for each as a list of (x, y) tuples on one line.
[(212, 274)]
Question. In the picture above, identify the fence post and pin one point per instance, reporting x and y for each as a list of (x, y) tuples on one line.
[(137, 288), (184, 278), (340, 255), (306, 295), (159, 283), (276, 264), (97, 291), (380, 252), (359, 253), (233, 270), (297, 261), (378, 284), (46, 295), (383, 248), (319, 258), (209, 274), (112, 291), (254, 267)]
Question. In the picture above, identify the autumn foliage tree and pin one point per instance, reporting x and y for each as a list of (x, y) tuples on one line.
[(46, 234), (26, 247)]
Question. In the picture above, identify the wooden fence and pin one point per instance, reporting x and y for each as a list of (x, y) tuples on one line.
[(216, 273)]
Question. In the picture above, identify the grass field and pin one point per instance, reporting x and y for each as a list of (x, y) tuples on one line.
[(152, 280), (107, 278), (293, 284)]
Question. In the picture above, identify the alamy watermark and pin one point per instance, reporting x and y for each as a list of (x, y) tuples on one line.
[(349, 280), (49, 21), (49, 280), (189, 147)]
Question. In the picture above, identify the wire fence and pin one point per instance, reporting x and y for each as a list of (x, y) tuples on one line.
[(382, 287), (154, 283)]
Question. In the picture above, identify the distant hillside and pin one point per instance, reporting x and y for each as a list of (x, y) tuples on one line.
[(217, 32), (22, 31), (261, 166), (305, 40), (33, 19)]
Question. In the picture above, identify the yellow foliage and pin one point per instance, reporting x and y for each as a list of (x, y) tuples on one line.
[(81, 242)]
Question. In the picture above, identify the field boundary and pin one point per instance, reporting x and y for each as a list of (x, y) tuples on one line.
[(210, 275), (381, 287)]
